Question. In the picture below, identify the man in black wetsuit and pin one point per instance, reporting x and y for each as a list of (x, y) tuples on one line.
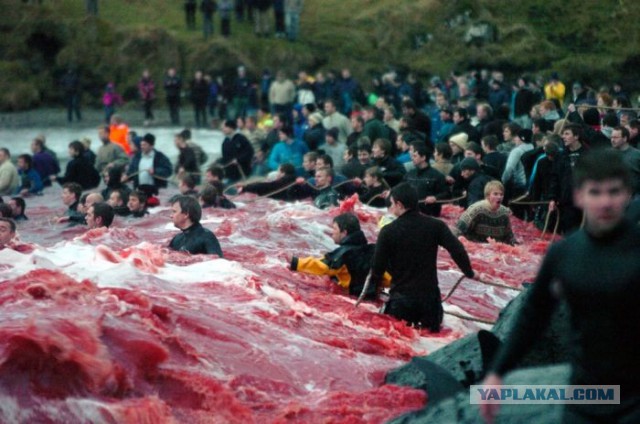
[(408, 249), (194, 238), (597, 272)]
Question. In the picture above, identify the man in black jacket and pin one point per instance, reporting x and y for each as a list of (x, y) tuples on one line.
[(349, 264), (237, 152), (408, 249), (194, 238), (149, 167), (595, 272), (429, 183)]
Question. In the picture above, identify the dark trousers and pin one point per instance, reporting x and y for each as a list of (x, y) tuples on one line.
[(200, 111), (418, 311), (279, 22), (72, 102), (147, 107), (174, 109), (225, 25)]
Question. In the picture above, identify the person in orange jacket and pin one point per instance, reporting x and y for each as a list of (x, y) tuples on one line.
[(349, 264), (118, 131)]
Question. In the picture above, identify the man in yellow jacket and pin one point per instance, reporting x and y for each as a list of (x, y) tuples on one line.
[(349, 264)]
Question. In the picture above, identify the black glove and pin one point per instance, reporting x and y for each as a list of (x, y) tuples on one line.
[(294, 263)]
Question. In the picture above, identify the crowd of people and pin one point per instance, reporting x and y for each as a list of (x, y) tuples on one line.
[(531, 150)]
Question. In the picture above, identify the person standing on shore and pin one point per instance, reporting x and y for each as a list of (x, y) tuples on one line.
[(147, 90), (173, 88), (70, 84)]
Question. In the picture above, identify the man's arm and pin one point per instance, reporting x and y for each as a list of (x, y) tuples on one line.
[(455, 249), (212, 246), (380, 258)]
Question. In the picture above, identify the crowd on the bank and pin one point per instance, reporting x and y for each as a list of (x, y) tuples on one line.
[(286, 16)]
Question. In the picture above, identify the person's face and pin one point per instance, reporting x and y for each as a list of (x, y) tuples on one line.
[(364, 156), (506, 134), (34, 147), (624, 120), (617, 140), (68, 198), (322, 179), (444, 116), (320, 163), (114, 200), (632, 131), (92, 221), (457, 118), (568, 138), (91, 199), (495, 198), (377, 152), (308, 164), (346, 156), (480, 113), (417, 159), (469, 154), (369, 180), (5, 233), (177, 141), (336, 234), (171, 72), (603, 203), (102, 134), (355, 124), (388, 116), (134, 204), (455, 149), (329, 108), (145, 147), (14, 207), (282, 136), (21, 163), (198, 75), (227, 130), (240, 123), (399, 143), (72, 153), (395, 208), (484, 147), (179, 218), (211, 178), (466, 173)]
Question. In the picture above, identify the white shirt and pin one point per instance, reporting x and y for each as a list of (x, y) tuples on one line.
[(146, 163)]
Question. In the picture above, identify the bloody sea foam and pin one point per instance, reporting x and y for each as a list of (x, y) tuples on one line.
[(110, 326)]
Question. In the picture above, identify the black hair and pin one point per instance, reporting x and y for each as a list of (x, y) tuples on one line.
[(347, 222), (105, 211), (287, 169), (6, 211), (491, 141), (420, 148), (77, 146), (20, 202), (444, 150), (189, 180), (328, 160), (384, 144), (140, 195), (404, 193), (474, 147), (74, 188), (623, 130), (27, 160), (190, 206), (600, 165), (12, 223), (575, 129)]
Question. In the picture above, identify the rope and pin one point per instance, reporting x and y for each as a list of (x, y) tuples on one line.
[(469, 318), (455, 286), (503, 286), (455, 199), (280, 190), (546, 224)]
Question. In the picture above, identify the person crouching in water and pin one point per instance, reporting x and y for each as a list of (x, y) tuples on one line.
[(487, 218), (349, 264), (194, 238)]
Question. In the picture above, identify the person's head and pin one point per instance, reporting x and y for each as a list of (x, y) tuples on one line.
[(179, 141), (103, 133), (419, 154), (473, 151), (7, 230), (25, 162), (187, 184), (350, 153), (494, 193), (76, 149), (185, 211), (37, 145), (634, 128), (364, 153), (408, 107), (118, 198), (329, 106), (324, 161), (620, 138), (285, 133), (381, 148), (6, 211), (344, 225), (458, 143), (324, 177), (403, 198), (572, 136), (460, 115), (468, 167), (99, 215), (137, 201), (484, 111), (71, 193), (489, 143), (208, 196), (331, 136), (546, 106), (286, 170), (18, 205), (147, 144), (551, 145), (214, 173), (510, 130), (309, 161), (442, 151), (357, 123), (92, 199), (229, 127), (373, 176), (4, 154), (602, 189)]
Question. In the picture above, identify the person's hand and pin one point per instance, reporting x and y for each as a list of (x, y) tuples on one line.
[(385, 194), (552, 206), (53, 177), (300, 180), (124, 178), (490, 410), (430, 199), (357, 181), (150, 171), (571, 108), (24, 193), (449, 179), (62, 219)]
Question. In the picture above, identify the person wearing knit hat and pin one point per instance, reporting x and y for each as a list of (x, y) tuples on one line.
[(474, 181), (469, 164), (316, 117), (458, 143)]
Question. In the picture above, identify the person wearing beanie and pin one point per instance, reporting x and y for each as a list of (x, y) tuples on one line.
[(458, 144), (148, 166), (237, 152), (473, 181)]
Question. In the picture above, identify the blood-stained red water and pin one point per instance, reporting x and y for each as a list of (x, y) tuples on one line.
[(110, 326)]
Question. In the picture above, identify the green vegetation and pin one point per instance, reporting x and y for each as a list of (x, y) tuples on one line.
[(591, 41)]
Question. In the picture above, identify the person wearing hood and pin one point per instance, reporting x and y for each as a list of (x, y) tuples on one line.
[(349, 264), (113, 179)]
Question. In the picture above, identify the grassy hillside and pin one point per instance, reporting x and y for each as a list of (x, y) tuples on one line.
[(592, 41)]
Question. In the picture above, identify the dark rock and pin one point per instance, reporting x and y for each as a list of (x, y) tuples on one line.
[(421, 373)]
